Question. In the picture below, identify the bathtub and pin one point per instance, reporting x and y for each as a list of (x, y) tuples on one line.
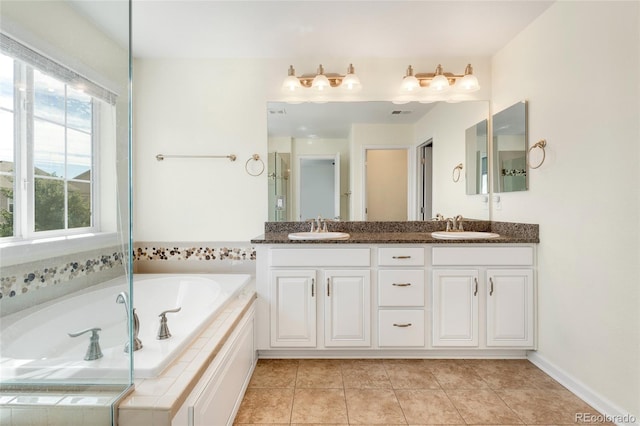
[(35, 346)]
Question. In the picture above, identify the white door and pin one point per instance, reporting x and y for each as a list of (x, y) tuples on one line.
[(293, 308), (455, 307), (510, 317), (347, 308)]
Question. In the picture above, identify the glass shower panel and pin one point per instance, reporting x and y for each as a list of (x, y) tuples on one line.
[(279, 170), (65, 254)]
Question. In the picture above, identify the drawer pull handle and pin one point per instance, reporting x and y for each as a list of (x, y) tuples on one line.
[(490, 286), (313, 283), (475, 291), (401, 284), (402, 325), (401, 257), (328, 288)]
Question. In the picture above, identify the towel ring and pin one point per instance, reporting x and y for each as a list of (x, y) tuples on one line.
[(254, 157), (456, 177), (540, 144)]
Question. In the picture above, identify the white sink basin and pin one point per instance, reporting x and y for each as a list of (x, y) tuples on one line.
[(319, 236), (463, 235)]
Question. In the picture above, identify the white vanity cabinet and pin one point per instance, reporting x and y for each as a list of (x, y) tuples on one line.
[(480, 299), (395, 299), (332, 299), (293, 308), (347, 308)]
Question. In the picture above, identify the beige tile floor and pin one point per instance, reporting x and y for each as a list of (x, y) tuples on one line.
[(401, 392)]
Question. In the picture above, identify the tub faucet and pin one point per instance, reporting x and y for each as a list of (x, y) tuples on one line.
[(163, 331), (123, 298), (93, 351)]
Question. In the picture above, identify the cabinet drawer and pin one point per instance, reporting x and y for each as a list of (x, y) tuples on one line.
[(507, 256), (401, 256), (320, 257), (401, 287), (401, 328)]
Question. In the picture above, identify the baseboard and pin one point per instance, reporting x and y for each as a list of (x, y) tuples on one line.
[(610, 411)]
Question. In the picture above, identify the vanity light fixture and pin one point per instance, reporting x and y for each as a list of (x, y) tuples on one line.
[(440, 81), (321, 80)]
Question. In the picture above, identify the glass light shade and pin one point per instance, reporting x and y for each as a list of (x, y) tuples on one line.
[(320, 82), (439, 83), (351, 82), (410, 83), (468, 83), (291, 83)]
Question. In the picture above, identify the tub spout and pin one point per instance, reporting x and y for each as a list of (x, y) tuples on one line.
[(123, 298), (137, 343), (93, 351), (163, 332)]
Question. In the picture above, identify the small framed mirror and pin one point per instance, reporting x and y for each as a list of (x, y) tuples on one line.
[(476, 159), (510, 141)]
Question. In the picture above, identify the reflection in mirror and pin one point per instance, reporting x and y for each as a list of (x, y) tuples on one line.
[(510, 149), (353, 130), (477, 179)]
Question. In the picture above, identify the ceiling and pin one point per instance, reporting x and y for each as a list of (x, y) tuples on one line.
[(300, 29), (286, 29)]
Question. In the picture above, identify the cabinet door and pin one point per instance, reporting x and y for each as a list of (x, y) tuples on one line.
[(455, 307), (510, 318), (347, 308), (293, 308)]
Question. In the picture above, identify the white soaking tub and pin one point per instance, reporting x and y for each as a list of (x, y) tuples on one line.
[(35, 345)]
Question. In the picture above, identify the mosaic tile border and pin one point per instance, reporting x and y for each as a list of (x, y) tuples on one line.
[(190, 253), (34, 276)]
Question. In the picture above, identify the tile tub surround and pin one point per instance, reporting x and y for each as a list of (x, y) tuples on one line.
[(409, 232), (191, 251), (406, 391), (94, 266), (155, 401)]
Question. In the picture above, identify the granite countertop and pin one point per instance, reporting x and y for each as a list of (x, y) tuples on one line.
[(411, 232)]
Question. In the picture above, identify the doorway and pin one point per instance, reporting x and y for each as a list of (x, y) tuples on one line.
[(386, 184), (319, 186), (425, 180)]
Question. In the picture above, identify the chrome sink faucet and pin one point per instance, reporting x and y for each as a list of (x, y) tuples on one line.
[(454, 224), (318, 225)]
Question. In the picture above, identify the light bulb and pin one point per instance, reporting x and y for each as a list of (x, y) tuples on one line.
[(440, 83), (410, 82), (291, 83), (320, 81), (351, 81)]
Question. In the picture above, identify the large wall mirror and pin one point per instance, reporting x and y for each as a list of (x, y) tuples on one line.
[(371, 160), (510, 149)]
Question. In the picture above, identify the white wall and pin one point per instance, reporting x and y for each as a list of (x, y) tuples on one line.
[(446, 124), (578, 66), (219, 107)]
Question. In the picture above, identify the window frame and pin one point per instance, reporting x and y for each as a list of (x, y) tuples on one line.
[(24, 176)]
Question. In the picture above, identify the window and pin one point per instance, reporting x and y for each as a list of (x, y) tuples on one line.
[(48, 145)]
